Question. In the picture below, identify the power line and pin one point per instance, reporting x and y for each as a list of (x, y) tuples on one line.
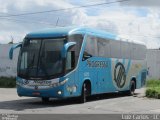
[(136, 35), (22, 20), (25, 11), (56, 10)]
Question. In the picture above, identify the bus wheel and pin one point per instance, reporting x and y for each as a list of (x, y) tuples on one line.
[(83, 94), (131, 90), (132, 87), (45, 99)]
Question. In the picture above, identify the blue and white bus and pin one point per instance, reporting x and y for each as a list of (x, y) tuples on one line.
[(78, 62)]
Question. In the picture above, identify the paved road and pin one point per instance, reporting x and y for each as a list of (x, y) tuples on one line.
[(108, 103)]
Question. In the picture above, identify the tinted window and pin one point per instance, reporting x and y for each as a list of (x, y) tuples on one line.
[(115, 49), (91, 46), (103, 47), (73, 53), (96, 46), (50, 58), (125, 50), (41, 58)]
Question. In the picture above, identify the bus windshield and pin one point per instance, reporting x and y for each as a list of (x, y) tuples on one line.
[(41, 58)]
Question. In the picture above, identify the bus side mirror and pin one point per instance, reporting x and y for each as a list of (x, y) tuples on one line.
[(12, 49), (66, 47)]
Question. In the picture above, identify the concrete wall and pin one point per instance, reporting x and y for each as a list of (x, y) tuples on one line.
[(153, 63), (8, 67)]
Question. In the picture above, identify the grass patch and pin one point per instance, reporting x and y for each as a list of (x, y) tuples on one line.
[(7, 82), (153, 89)]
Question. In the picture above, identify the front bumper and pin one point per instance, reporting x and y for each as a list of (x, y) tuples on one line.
[(48, 88), (51, 92)]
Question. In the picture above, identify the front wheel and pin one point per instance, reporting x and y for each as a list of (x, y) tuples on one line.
[(83, 94)]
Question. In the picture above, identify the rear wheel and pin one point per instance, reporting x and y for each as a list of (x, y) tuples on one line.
[(132, 87), (131, 90), (45, 99)]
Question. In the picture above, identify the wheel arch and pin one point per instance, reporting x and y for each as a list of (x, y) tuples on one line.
[(135, 80), (89, 85)]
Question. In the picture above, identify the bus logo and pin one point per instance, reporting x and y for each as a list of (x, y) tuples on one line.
[(119, 75)]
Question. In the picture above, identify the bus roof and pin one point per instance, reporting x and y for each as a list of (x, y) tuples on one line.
[(64, 31)]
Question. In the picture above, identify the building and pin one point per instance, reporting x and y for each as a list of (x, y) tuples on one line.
[(153, 63), (8, 67)]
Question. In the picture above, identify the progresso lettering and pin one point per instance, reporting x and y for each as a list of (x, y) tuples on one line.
[(97, 64)]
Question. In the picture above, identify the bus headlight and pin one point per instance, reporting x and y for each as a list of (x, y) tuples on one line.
[(59, 92)]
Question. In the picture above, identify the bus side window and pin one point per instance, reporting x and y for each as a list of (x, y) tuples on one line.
[(115, 49), (103, 47), (90, 48), (125, 50), (78, 38)]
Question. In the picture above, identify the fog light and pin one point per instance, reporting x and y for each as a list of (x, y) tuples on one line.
[(59, 92)]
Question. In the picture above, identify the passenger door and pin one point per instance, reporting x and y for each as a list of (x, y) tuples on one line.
[(88, 70)]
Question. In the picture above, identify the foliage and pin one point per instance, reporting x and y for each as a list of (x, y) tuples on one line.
[(153, 89), (7, 82)]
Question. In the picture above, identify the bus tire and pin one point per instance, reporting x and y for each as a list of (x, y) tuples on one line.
[(83, 93), (132, 87), (45, 99)]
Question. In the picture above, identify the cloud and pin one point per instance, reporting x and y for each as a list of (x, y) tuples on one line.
[(130, 26), (19, 26), (130, 22)]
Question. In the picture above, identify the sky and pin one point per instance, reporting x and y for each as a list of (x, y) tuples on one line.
[(135, 20)]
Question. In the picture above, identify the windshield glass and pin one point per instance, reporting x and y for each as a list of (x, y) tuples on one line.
[(41, 58)]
